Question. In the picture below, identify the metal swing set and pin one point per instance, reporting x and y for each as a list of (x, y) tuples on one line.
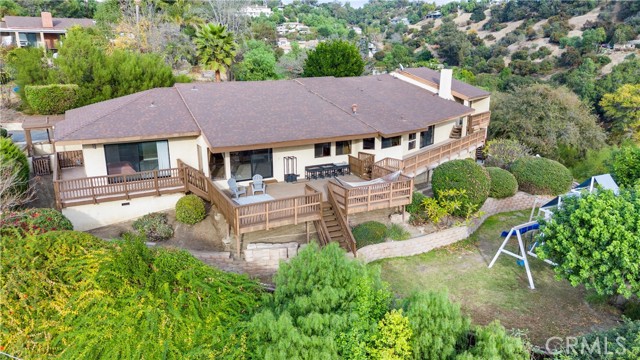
[(546, 211)]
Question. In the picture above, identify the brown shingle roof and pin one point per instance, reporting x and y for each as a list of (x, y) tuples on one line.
[(238, 113), (153, 113), (248, 114), (387, 104), (433, 76), (28, 22)]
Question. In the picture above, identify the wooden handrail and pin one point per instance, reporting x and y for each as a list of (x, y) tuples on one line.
[(372, 197), (340, 216)]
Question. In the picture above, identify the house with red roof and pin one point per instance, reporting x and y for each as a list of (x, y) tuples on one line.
[(44, 31)]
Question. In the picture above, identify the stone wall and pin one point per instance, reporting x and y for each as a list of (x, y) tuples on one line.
[(425, 243)]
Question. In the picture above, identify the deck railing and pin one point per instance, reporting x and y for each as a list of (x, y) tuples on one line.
[(432, 157), (98, 189), (372, 197), (260, 216), (361, 165)]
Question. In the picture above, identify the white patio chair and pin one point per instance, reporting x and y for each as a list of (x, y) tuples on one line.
[(258, 184), (235, 189)]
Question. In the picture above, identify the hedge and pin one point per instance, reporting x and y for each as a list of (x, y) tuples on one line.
[(462, 175), (368, 233), (541, 176), (35, 221), (13, 157), (190, 210), (503, 183), (51, 99)]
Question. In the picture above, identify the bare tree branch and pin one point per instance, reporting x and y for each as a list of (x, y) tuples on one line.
[(10, 182)]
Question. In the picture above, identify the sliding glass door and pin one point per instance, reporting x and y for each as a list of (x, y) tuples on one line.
[(137, 157), (246, 164)]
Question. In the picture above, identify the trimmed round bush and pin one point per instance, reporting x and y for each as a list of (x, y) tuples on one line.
[(462, 175), (370, 232), (35, 221), (541, 176), (51, 99), (416, 203), (11, 156), (190, 210), (154, 226), (503, 183), (3, 132)]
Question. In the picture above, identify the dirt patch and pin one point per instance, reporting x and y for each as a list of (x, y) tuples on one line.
[(207, 235)]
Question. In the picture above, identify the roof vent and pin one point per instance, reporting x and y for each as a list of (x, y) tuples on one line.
[(153, 104), (194, 88), (354, 108)]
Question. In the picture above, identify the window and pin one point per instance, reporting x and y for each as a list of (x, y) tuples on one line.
[(412, 141), (343, 147), (246, 164), (390, 142), (136, 157), (369, 144), (323, 149), (426, 137)]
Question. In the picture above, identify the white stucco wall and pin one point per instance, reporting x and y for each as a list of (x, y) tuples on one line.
[(204, 153), (306, 157), (87, 217), (74, 147), (481, 105), (95, 163)]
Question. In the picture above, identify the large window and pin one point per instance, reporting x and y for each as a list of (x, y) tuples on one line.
[(343, 147), (369, 144), (426, 137), (136, 157), (390, 142), (245, 164), (412, 141), (323, 150)]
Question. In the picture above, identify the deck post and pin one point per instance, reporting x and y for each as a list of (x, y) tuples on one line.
[(155, 182), (238, 245), (307, 226), (56, 192), (126, 189)]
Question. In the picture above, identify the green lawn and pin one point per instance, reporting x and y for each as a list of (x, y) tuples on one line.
[(554, 308)]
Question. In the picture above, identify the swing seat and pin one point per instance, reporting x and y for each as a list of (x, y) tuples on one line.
[(504, 234)]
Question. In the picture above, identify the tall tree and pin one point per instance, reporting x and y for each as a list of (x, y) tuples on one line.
[(550, 121), (454, 44), (623, 108), (216, 48), (337, 58), (259, 63)]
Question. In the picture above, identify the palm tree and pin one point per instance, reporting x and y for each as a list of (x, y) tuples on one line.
[(216, 48)]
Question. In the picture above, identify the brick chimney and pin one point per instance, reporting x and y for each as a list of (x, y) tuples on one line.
[(47, 20), (446, 77)]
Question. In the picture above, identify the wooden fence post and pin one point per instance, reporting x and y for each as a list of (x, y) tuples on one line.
[(155, 182)]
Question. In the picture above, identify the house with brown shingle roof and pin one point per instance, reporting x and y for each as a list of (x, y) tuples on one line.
[(44, 31), (115, 157)]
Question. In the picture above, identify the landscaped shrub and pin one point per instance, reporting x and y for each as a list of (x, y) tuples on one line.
[(370, 232), (51, 99), (416, 203), (3, 132), (632, 310), (466, 176), (541, 176), (66, 290), (625, 165), (437, 324), (493, 342), (154, 226), (623, 343), (503, 183), (398, 232), (503, 152), (190, 210), (14, 160), (35, 221)]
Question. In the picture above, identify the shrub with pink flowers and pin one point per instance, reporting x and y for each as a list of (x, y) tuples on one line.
[(35, 221)]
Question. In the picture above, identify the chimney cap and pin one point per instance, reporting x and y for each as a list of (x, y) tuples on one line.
[(354, 108)]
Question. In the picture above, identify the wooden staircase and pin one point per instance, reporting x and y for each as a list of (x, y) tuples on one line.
[(333, 226), (456, 132)]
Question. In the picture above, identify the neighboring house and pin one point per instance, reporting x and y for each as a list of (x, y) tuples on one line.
[(397, 20), (434, 15), (292, 27), (44, 31), (356, 29), (119, 155), (285, 44), (256, 11)]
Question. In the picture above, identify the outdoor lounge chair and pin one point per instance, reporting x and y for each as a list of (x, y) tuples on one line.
[(258, 184), (235, 189)]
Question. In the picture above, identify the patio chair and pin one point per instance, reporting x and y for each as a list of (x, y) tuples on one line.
[(258, 184), (235, 189)]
